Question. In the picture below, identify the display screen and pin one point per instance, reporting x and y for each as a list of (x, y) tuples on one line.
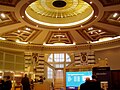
[(75, 79)]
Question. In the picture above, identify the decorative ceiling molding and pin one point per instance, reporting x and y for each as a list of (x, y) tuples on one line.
[(47, 49), (103, 23), (24, 34), (94, 33), (9, 2), (68, 8), (61, 20), (59, 37), (109, 2), (7, 18), (111, 17)]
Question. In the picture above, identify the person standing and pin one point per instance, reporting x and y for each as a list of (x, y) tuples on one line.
[(25, 83), (95, 84), (1, 84), (86, 84), (8, 83)]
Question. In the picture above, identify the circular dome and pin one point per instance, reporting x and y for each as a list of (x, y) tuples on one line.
[(59, 12), (59, 3)]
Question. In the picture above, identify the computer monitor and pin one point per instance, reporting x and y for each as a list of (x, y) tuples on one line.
[(75, 79)]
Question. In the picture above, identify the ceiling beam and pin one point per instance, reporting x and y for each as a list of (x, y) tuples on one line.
[(40, 40), (112, 8), (9, 28), (6, 8), (77, 37), (108, 27)]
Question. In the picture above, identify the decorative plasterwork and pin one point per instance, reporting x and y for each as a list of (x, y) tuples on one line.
[(74, 12), (94, 33), (23, 34), (59, 37), (109, 2), (72, 8), (99, 26), (48, 49), (111, 17), (9, 2), (7, 18)]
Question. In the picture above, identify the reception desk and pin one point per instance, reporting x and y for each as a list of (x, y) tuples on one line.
[(42, 86)]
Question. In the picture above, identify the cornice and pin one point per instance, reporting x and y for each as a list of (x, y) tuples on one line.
[(47, 49)]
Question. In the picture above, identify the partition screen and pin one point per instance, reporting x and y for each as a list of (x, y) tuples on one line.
[(75, 79)]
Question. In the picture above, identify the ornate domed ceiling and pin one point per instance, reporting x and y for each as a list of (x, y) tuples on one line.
[(45, 23), (59, 12)]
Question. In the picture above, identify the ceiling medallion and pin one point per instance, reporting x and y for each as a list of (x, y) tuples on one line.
[(59, 3)]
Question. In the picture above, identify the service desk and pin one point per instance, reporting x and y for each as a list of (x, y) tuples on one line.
[(41, 86)]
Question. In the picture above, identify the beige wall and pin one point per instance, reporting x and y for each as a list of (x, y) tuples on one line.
[(113, 56), (13, 61)]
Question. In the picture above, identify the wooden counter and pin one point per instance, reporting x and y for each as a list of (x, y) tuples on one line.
[(42, 86)]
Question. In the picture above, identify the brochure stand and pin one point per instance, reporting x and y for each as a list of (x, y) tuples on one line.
[(103, 75)]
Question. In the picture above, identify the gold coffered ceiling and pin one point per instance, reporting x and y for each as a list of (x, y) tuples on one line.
[(68, 21), (59, 12)]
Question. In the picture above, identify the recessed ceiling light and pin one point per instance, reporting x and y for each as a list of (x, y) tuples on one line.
[(27, 28), (91, 28), (95, 16), (115, 14), (1, 38), (22, 16), (90, 2), (2, 15), (18, 31), (99, 30), (81, 26)]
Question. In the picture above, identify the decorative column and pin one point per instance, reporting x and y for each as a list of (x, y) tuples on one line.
[(34, 62)]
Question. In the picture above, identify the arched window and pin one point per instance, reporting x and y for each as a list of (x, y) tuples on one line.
[(57, 60)]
